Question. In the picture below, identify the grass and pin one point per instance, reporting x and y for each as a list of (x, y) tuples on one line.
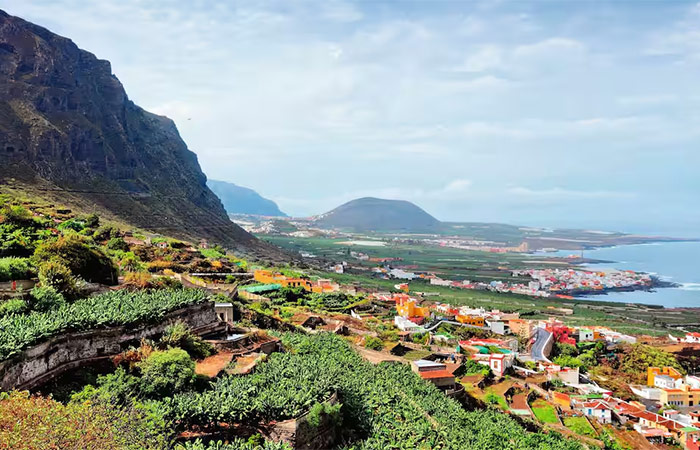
[(414, 355), (579, 425), (544, 412), (491, 397)]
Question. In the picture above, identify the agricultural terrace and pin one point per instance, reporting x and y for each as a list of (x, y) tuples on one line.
[(19, 331)]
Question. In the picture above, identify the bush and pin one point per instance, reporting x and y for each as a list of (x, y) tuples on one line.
[(56, 275), (32, 422), (71, 224), (118, 243), (46, 298), (374, 343), (179, 335), (89, 263), (92, 221), (105, 233), (166, 372), (14, 306), (12, 268)]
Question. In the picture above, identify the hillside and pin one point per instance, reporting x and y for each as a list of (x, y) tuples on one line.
[(69, 132), (242, 200), (375, 214)]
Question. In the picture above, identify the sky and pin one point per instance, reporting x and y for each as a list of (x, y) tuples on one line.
[(569, 113)]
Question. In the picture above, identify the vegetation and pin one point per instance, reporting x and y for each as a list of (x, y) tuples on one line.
[(83, 260), (39, 423), (579, 425), (544, 412), (166, 372), (374, 343), (12, 268), (387, 406), (638, 357), (18, 331), (236, 444), (179, 335)]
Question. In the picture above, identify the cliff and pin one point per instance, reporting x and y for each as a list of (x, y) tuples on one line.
[(68, 130)]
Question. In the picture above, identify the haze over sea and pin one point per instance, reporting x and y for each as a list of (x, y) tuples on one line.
[(677, 262)]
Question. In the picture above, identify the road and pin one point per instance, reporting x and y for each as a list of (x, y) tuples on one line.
[(542, 338)]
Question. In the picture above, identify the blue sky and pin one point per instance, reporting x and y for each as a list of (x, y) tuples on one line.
[(553, 113)]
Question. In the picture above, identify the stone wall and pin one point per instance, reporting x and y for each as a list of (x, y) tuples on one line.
[(301, 435), (38, 364)]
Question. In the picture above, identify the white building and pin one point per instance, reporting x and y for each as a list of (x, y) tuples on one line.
[(664, 382), (404, 324)]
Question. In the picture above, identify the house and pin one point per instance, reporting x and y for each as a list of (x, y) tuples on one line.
[(162, 245), (690, 438), (664, 382), (568, 375), (584, 334), (404, 324), (521, 327), (470, 320), (683, 396), (692, 338), (500, 362), (435, 372), (653, 372), (224, 311), (598, 409)]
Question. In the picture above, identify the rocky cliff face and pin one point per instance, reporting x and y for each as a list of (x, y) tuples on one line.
[(66, 122)]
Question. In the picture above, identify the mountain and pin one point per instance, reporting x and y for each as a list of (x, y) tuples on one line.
[(69, 132), (375, 214), (242, 200)]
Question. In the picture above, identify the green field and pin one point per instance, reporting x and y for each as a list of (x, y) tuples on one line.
[(579, 425), (544, 412)]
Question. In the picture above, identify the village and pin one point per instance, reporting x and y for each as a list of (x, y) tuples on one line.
[(512, 362)]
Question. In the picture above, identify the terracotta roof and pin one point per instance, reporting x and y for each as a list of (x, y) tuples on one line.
[(431, 374)]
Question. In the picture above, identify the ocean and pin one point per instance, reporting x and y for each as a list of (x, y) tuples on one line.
[(678, 262)]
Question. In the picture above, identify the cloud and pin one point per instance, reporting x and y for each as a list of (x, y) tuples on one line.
[(558, 193)]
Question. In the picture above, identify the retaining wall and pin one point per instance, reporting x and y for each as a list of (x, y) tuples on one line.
[(42, 362)]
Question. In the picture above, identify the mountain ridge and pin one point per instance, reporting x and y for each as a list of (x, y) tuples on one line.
[(67, 124), (374, 214), (242, 200)]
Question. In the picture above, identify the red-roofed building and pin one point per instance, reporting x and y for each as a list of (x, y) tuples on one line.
[(597, 409)]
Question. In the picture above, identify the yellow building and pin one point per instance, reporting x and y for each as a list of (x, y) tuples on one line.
[(409, 309), (470, 320), (684, 396), (653, 372), (268, 277)]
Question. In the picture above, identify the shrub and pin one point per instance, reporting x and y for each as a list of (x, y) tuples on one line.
[(92, 221), (71, 224), (32, 422), (13, 306), (89, 263), (46, 298), (166, 372), (56, 275), (179, 335), (12, 268), (105, 233), (118, 243), (373, 343)]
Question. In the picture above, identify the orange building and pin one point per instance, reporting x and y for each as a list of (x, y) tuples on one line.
[(406, 307), (268, 277), (653, 372), (477, 321)]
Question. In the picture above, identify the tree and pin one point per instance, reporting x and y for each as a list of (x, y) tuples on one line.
[(166, 372), (118, 243), (89, 263), (57, 276), (179, 335), (373, 343)]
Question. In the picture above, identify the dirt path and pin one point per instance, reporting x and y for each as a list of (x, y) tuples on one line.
[(519, 402), (214, 364), (376, 357)]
